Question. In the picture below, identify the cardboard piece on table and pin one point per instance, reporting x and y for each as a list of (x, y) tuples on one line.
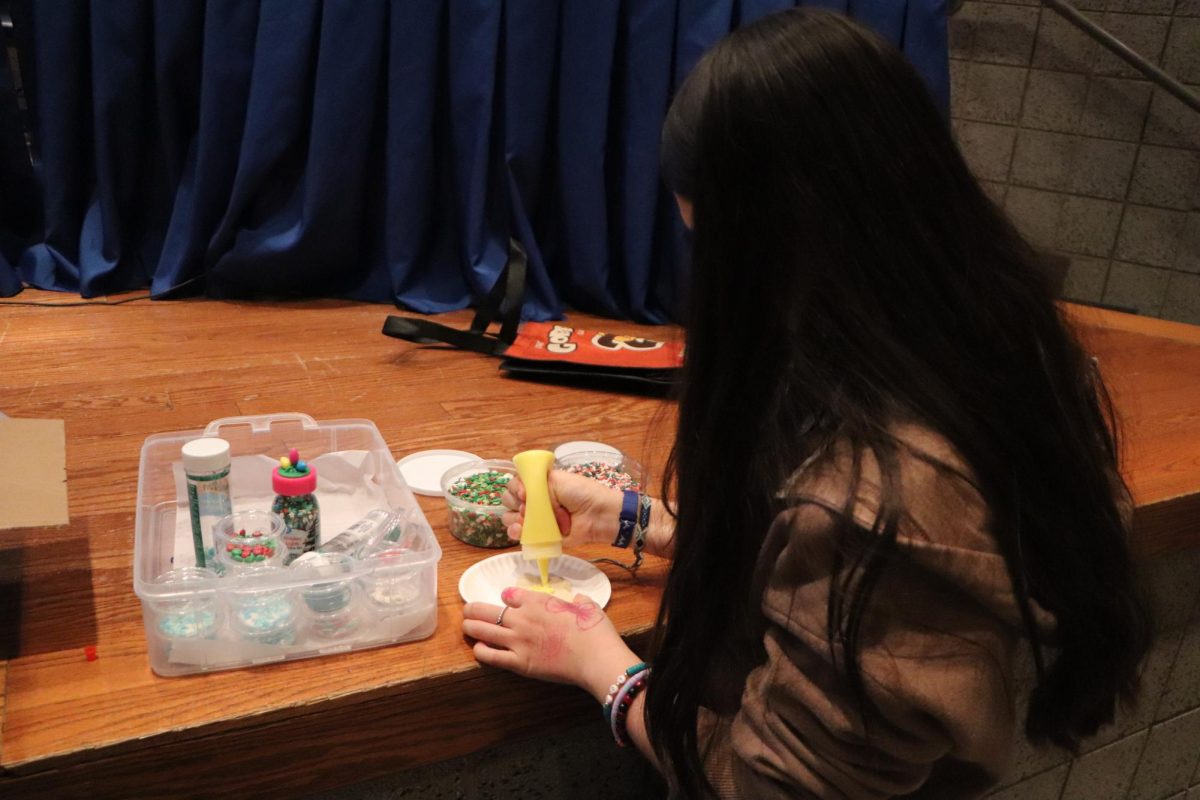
[(33, 473)]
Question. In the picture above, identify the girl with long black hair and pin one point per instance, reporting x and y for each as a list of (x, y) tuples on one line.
[(894, 464)]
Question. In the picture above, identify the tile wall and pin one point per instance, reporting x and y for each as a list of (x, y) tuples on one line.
[(1152, 750), (1088, 158)]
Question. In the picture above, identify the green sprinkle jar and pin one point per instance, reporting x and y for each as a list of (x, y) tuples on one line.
[(473, 492)]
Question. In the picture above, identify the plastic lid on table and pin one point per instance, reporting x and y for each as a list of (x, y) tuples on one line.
[(581, 446), (423, 471)]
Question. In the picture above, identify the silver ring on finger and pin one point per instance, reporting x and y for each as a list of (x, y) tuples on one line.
[(500, 619)]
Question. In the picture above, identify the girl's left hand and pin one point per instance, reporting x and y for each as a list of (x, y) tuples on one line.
[(543, 637)]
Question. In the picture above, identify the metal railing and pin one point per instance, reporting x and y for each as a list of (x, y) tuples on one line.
[(1157, 76)]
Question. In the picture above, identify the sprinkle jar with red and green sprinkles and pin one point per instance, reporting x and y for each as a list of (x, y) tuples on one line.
[(484, 488), (610, 476), (620, 473), (249, 539), (473, 492), (250, 548)]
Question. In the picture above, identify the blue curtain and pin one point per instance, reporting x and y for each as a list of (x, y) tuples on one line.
[(376, 150)]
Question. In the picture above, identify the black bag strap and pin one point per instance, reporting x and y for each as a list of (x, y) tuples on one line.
[(422, 331), (503, 302)]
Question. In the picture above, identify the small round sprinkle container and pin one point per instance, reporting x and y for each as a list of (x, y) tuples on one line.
[(330, 576), (335, 625), (399, 593), (249, 539), (393, 584), (614, 470), (193, 613), (473, 492), (328, 599), (260, 610)]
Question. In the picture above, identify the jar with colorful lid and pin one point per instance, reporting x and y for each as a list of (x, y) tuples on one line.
[(295, 484)]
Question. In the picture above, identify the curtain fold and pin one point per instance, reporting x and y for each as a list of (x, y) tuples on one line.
[(376, 150)]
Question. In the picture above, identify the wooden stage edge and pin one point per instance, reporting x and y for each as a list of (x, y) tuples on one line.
[(377, 733)]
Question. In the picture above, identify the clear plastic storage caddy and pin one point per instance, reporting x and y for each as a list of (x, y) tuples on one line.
[(204, 616)]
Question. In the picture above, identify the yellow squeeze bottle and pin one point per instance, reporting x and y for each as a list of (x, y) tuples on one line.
[(541, 540)]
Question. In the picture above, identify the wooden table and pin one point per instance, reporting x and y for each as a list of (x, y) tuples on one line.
[(1153, 371), (73, 728)]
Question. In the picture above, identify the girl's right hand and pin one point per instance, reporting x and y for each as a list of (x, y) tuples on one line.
[(586, 511)]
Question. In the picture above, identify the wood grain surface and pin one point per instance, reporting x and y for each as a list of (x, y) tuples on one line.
[(1152, 368), (117, 374)]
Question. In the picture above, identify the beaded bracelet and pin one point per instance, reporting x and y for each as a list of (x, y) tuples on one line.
[(618, 684), (621, 704), (628, 520)]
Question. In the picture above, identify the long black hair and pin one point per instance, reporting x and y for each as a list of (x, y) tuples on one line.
[(850, 274)]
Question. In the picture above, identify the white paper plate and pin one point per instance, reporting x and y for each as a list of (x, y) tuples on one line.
[(483, 582), (423, 471)]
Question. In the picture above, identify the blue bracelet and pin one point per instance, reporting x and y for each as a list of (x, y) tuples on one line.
[(628, 519)]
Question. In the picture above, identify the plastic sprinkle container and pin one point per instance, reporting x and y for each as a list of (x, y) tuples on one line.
[(184, 611), (615, 471), (329, 603), (395, 583), (473, 491), (262, 608), (259, 612), (394, 587), (248, 539), (332, 592)]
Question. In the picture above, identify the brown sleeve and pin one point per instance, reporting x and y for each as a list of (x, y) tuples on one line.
[(934, 662)]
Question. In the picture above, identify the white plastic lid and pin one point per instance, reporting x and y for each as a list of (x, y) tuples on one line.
[(570, 448), (423, 471), (205, 456)]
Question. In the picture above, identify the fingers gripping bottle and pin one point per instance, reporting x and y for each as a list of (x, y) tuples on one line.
[(541, 539), (294, 482)]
